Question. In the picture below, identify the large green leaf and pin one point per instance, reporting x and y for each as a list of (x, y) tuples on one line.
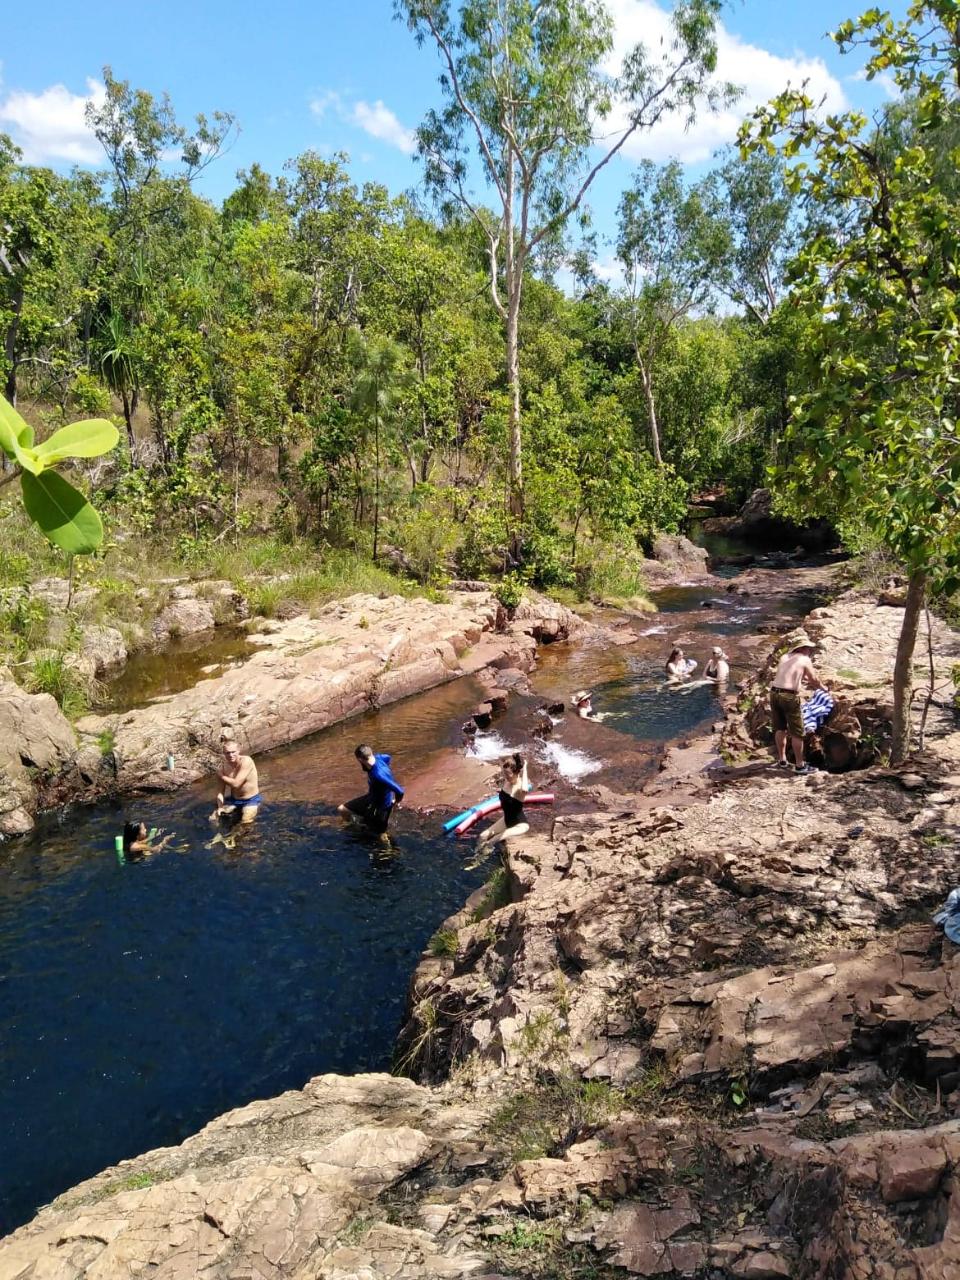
[(62, 512), (16, 437), (88, 439)]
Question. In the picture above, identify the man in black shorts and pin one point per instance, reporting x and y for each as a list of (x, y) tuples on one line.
[(383, 792), (786, 708)]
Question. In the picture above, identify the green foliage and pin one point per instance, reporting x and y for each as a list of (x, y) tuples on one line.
[(509, 591), (62, 513), (50, 673), (443, 943)]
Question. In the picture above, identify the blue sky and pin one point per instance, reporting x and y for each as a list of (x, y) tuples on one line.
[(344, 75)]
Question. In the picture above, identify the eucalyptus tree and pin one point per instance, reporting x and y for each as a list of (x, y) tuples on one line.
[(671, 248), (758, 216), (152, 160), (874, 437), (51, 235), (380, 385), (526, 89)]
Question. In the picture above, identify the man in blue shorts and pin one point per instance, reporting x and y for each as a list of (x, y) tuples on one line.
[(241, 785)]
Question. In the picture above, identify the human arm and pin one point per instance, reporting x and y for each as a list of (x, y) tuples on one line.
[(382, 775), (239, 776), (810, 676)]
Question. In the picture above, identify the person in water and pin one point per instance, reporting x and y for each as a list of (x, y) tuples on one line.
[(514, 786), (794, 670), (583, 705), (384, 792), (678, 667), (241, 793), (138, 843), (718, 666)]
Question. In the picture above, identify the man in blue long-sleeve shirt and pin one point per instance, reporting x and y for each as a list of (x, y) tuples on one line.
[(383, 792)]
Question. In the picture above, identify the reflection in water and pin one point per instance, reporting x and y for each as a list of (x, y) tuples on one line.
[(180, 664), (139, 1001)]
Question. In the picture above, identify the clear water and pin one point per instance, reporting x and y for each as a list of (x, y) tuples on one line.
[(139, 1001)]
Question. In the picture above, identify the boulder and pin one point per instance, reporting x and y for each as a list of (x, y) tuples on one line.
[(184, 617), (35, 739), (104, 649), (675, 550)]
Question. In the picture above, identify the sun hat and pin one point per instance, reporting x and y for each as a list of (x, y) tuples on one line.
[(801, 640), (582, 695)]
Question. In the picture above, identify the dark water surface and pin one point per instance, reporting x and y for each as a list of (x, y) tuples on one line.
[(139, 1001)]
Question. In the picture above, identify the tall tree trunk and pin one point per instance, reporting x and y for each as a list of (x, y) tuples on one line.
[(903, 668), (651, 412), (128, 412), (376, 482), (10, 347), (513, 382)]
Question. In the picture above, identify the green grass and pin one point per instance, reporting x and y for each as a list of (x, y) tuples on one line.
[(49, 673), (443, 943), (533, 1122), (496, 895)]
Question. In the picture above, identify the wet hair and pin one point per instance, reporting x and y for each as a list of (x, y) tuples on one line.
[(131, 834), (515, 762), (674, 654), (363, 752)]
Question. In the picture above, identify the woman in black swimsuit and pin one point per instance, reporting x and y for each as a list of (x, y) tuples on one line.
[(515, 786)]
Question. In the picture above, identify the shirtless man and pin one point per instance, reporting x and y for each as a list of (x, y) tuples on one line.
[(794, 670), (239, 778)]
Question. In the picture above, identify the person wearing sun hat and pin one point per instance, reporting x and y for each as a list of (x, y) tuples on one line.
[(718, 666), (794, 670)]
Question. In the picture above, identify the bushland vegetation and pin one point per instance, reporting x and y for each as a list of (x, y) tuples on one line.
[(449, 382)]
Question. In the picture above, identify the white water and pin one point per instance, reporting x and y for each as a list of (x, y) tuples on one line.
[(568, 761)]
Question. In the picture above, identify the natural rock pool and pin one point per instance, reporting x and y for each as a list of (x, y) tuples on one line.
[(139, 1001)]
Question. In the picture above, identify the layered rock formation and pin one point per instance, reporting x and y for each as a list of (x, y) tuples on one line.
[(357, 653), (717, 1038)]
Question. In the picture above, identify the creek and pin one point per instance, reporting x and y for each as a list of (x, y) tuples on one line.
[(138, 1001)]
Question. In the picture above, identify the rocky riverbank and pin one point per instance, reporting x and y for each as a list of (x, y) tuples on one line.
[(715, 1037), (307, 673)]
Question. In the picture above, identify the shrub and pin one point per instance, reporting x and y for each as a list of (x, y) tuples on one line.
[(50, 673), (427, 534), (443, 943), (509, 591)]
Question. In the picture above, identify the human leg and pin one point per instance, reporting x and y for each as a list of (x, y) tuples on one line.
[(492, 833)]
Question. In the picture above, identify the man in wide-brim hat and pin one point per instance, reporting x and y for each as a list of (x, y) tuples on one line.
[(794, 670)]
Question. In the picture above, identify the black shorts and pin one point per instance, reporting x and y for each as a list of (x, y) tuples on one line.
[(376, 819)]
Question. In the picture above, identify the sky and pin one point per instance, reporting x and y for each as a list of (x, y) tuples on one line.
[(345, 75)]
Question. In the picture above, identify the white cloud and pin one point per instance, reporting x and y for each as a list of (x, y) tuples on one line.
[(50, 125), (375, 119), (760, 74), (380, 122), (321, 103)]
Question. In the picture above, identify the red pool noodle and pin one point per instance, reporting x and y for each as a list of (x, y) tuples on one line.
[(539, 797)]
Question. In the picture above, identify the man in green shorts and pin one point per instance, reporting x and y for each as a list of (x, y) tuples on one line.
[(794, 670)]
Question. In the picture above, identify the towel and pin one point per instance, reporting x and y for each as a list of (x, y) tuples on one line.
[(816, 710)]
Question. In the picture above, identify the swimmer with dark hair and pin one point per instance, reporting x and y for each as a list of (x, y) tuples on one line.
[(514, 786), (138, 843), (384, 792)]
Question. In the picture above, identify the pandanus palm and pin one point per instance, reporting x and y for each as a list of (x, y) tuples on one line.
[(118, 363)]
